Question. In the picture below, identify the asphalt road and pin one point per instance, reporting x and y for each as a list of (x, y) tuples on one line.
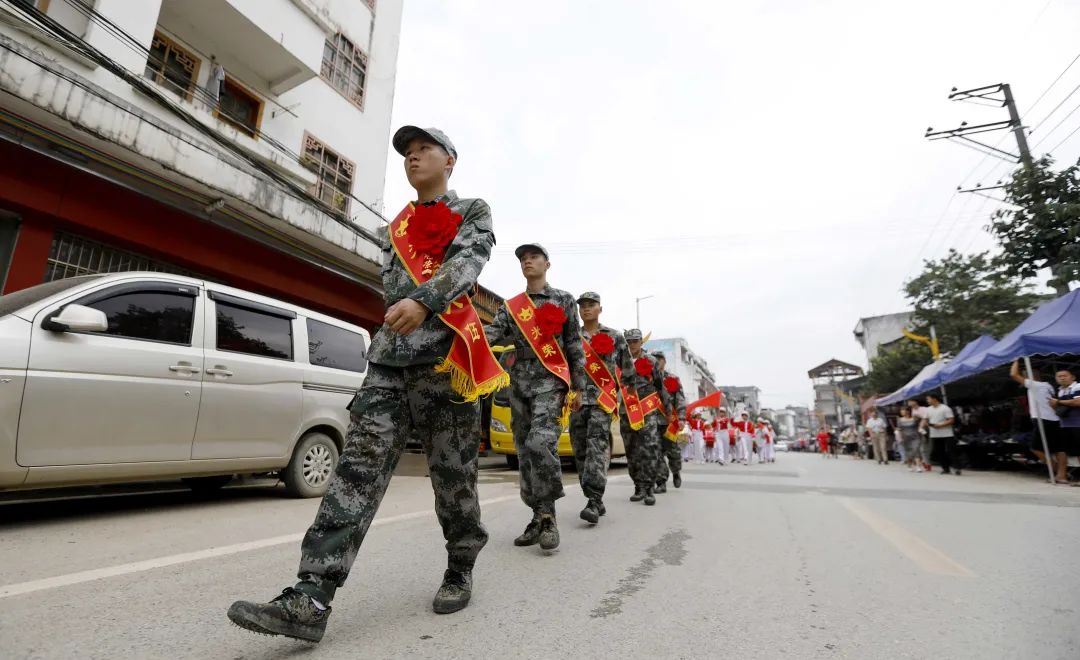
[(804, 558)]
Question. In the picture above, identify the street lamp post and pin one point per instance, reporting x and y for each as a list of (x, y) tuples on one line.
[(637, 308)]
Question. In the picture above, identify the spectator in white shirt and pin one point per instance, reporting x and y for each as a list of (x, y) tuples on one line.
[(1040, 394), (940, 420), (876, 426)]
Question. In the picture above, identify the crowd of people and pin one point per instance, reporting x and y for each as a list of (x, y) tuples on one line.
[(919, 431), (724, 440)]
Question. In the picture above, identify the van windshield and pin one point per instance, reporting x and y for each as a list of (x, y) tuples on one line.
[(13, 302)]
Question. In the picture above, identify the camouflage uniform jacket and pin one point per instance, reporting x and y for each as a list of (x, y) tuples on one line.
[(464, 260), (528, 370), (646, 386), (619, 358)]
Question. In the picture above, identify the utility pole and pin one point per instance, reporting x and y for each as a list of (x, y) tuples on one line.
[(637, 308), (1017, 127)]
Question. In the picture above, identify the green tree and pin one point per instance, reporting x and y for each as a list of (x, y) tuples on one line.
[(1042, 227), (964, 296), (894, 366)]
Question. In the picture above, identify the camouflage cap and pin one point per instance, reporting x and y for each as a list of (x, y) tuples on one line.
[(659, 355), (632, 334), (589, 295), (530, 247), (407, 134)]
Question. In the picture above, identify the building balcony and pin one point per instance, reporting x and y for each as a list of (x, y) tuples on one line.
[(278, 44)]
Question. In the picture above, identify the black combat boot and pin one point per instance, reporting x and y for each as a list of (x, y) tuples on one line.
[(639, 492), (661, 488), (292, 614), (531, 535), (601, 508), (455, 592), (549, 532), (649, 498), (676, 480), (591, 513)]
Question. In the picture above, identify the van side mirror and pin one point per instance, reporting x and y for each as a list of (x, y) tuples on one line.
[(77, 318)]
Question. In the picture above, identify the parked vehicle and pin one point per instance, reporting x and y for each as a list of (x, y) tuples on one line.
[(501, 435), (146, 376)]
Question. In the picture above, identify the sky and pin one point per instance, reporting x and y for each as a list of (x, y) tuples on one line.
[(759, 167)]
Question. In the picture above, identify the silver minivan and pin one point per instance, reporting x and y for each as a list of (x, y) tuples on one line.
[(147, 376)]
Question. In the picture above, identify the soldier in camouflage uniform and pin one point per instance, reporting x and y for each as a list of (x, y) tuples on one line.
[(402, 396), (537, 397), (590, 427), (670, 463), (643, 445)]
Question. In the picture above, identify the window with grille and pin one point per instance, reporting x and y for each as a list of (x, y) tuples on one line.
[(335, 173), (344, 66), (172, 66), (239, 107), (71, 256)]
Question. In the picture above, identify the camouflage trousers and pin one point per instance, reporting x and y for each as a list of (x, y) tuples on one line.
[(642, 449), (392, 405), (590, 436), (537, 427), (670, 460)]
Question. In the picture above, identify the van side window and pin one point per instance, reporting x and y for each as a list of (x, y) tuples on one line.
[(241, 330), (149, 315), (334, 347)]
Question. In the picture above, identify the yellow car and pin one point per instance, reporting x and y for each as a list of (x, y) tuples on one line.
[(502, 437)]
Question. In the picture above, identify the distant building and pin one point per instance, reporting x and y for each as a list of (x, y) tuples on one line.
[(692, 369), (784, 419), (742, 397), (874, 332), (832, 405), (803, 422)]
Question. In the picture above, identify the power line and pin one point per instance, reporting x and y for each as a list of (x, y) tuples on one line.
[(1051, 113), (1051, 85), (1056, 126), (1055, 147)]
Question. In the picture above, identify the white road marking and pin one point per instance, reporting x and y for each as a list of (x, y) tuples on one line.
[(80, 577), (929, 558)]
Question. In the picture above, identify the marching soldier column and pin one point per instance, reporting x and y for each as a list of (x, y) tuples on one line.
[(431, 361)]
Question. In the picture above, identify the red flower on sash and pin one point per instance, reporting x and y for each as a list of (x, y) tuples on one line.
[(602, 343), (550, 317), (432, 228), (643, 367), (671, 384)]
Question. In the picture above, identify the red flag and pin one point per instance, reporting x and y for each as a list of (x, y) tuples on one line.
[(711, 401)]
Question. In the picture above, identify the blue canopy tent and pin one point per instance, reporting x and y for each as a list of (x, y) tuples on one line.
[(934, 374)]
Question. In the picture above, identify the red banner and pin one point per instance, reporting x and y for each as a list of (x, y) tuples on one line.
[(473, 369), (602, 378)]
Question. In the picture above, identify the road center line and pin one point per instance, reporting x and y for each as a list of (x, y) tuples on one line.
[(80, 577), (929, 558)]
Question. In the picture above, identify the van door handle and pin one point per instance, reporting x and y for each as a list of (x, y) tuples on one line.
[(219, 371), (184, 367)]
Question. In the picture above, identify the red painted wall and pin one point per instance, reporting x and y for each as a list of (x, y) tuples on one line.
[(50, 196)]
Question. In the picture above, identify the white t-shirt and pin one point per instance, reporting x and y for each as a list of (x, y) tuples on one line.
[(1039, 395), (876, 425), (938, 415)]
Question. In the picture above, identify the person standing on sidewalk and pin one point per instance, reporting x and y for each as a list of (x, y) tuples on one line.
[(1040, 407), (908, 428), (416, 387), (1066, 403), (940, 420), (640, 422), (546, 381), (606, 354), (876, 427)]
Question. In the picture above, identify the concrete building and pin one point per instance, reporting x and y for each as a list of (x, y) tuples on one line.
[(692, 369), (244, 141), (784, 419), (873, 332), (742, 397), (832, 406), (803, 420)]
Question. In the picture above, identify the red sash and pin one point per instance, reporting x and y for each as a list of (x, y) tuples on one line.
[(547, 349), (473, 369), (652, 403), (602, 378), (634, 414)]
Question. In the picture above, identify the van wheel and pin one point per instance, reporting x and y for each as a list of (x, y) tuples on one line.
[(512, 461), (203, 485), (313, 461)]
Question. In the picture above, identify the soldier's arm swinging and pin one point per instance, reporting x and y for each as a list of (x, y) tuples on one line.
[(575, 354), (499, 331)]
